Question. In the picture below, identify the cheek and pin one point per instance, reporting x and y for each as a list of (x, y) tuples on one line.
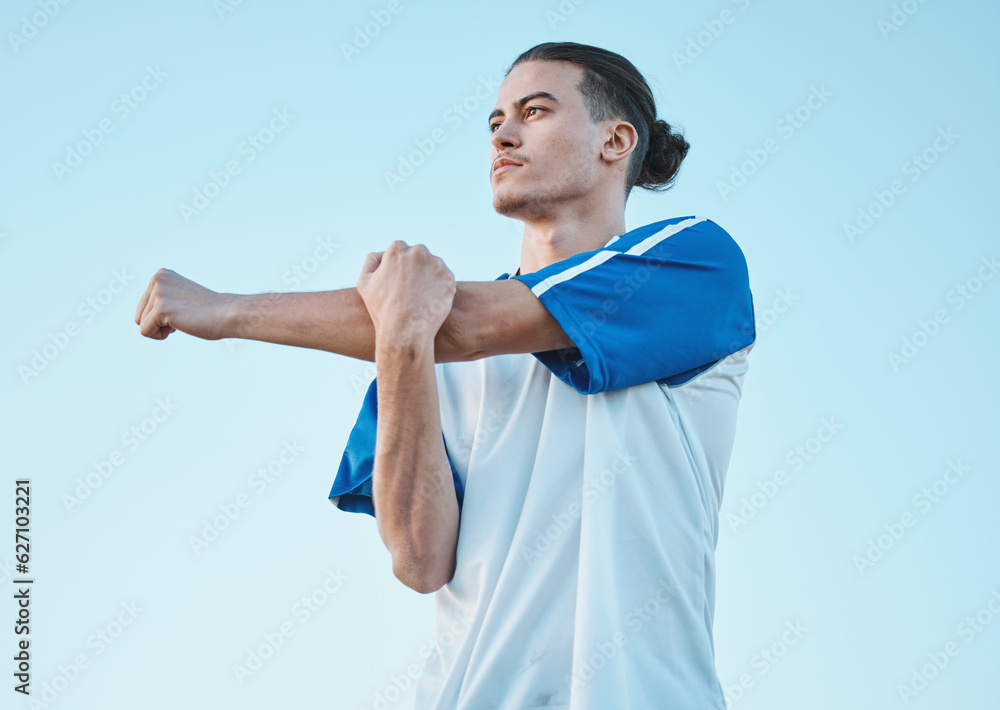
[(575, 165), (565, 157), (576, 153)]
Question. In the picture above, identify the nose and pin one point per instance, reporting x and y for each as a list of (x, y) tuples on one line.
[(505, 136)]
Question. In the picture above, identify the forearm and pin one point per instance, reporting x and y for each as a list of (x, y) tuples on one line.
[(486, 318), (413, 492), (334, 321)]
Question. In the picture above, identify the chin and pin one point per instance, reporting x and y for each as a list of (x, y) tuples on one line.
[(510, 202)]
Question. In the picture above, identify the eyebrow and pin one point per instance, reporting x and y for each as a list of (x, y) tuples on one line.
[(522, 102)]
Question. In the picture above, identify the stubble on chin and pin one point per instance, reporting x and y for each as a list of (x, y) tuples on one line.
[(508, 203), (516, 201)]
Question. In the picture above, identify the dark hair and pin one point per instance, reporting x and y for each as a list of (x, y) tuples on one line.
[(613, 88)]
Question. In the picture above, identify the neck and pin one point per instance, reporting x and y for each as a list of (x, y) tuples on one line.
[(552, 238)]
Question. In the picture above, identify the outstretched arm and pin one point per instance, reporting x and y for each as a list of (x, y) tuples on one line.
[(486, 318)]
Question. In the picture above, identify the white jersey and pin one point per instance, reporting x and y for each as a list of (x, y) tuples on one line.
[(590, 481)]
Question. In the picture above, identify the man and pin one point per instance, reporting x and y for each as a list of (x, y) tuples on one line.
[(546, 452)]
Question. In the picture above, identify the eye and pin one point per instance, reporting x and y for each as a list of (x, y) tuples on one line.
[(494, 126)]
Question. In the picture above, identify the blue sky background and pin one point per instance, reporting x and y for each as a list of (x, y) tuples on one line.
[(832, 306)]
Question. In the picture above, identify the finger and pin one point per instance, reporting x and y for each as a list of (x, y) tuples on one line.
[(147, 300), (147, 315), (142, 303), (372, 262), (153, 323), (148, 328), (161, 333)]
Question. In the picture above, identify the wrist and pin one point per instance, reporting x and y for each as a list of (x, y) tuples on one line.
[(401, 341), (234, 313)]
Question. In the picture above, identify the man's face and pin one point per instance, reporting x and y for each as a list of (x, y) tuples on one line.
[(551, 137)]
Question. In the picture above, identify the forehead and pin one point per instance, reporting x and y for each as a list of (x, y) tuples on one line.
[(557, 78)]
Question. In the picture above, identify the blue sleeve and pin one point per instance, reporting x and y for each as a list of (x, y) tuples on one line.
[(352, 488), (663, 302)]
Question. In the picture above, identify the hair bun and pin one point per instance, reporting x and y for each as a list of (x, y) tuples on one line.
[(667, 148)]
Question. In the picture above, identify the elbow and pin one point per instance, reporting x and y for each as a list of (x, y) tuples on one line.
[(422, 584), (457, 340), (421, 574), (424, 546), (424, 560)]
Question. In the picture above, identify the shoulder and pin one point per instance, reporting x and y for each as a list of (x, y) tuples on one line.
[(690, 227), (680, 240)]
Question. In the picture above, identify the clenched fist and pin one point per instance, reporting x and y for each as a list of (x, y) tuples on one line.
[(172, 302), (408, 292)]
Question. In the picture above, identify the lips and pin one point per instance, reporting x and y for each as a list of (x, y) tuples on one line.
[(501, 162)]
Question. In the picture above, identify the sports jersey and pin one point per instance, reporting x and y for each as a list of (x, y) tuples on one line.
[(589, 481)]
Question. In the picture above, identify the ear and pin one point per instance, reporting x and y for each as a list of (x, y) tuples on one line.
[(621, 139)]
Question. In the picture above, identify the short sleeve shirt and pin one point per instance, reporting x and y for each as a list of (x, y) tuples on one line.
[(589, 481)]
